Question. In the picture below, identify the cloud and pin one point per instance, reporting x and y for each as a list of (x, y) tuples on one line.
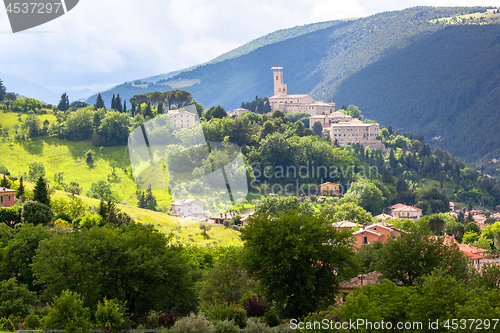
[(104, 42)]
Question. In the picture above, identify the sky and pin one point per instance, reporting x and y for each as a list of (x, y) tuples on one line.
[(101, 43)]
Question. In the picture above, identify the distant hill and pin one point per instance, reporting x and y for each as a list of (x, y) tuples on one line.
[(411, 68), (27, 88)]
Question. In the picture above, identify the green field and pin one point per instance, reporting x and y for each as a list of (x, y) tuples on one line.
[(68, 157), (490, 16)]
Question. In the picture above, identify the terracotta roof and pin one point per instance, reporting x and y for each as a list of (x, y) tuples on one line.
[(406, 209), (344, 224), (383, 216), (367, 230), (398, 205)]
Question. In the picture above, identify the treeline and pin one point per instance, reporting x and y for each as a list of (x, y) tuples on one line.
[(259, 105), (92, 267)]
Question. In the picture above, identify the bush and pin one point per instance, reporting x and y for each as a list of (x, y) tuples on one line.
[(110, 315), (227, 326), (32, 322), (230, 311), (255, 326), (6, 324), (193, 324), (68, 313), (36, 213), (255, 306), (168, 319)]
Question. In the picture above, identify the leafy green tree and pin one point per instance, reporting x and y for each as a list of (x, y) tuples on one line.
[(299, 260), (101, 190), (317, 129), (63, 103), (99, 103), (215, 112), (31, 125), (273, 205), (68, 312), (367, 195), (91, 262), (113, 130), (36, 213), (15, 299), (36, 170), (225, 282), (79, 125), (41, 192), (408, 258), (472, 226), (347, 211), (19, 254)]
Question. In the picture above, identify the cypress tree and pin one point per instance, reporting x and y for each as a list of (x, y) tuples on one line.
[(5, 182), (132, 111), (148, 112), (125, 106), (41, 193), (113, 102), (99, 103), (118, 103), (21, 189)]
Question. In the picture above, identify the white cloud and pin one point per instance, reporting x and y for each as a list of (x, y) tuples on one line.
[(107, 41)]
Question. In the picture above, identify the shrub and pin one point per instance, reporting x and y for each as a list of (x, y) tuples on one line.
[(6, 324), (255, 326), (230, 311), (168, 319), (32, 322), (227, 326), (255, 306), (110, 315), (193, 324)]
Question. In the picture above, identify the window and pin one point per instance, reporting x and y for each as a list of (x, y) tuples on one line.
[(365, 240), (1, 199)]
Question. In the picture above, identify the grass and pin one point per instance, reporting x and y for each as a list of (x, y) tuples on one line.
[(475, 18)]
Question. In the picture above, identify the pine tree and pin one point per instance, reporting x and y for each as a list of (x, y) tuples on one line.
[(103, 209), (5, 182), (113, 100), (3, 91), (148, 112), (21, 189), (41, 193), (118, 103), (64, 103), (99, 103)]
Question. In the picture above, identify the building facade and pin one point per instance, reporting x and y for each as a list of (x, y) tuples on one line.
[(189, 208), (7, 197), (302, 103), (181, 119)]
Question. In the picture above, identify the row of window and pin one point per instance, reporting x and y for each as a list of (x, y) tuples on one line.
[(1, 198)]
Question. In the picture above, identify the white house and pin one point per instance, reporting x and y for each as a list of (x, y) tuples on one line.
[(401, 211), (181, 119), (189, 208)]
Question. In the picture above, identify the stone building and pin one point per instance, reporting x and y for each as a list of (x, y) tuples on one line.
[(302, 103)]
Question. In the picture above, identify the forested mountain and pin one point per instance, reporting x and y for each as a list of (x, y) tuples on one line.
[(401, 67)]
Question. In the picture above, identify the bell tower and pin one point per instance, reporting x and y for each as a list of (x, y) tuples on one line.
[(279, 86)]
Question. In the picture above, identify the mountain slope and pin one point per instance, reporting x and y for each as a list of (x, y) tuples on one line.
[(353, 62), (446, 85)]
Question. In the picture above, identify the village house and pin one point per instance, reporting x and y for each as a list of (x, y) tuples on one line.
[(237, 112), (181, 119), (189, 208), (329, 189), (401, 211), (7, 197), (376, 232), (295, 103), (475, 254)]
